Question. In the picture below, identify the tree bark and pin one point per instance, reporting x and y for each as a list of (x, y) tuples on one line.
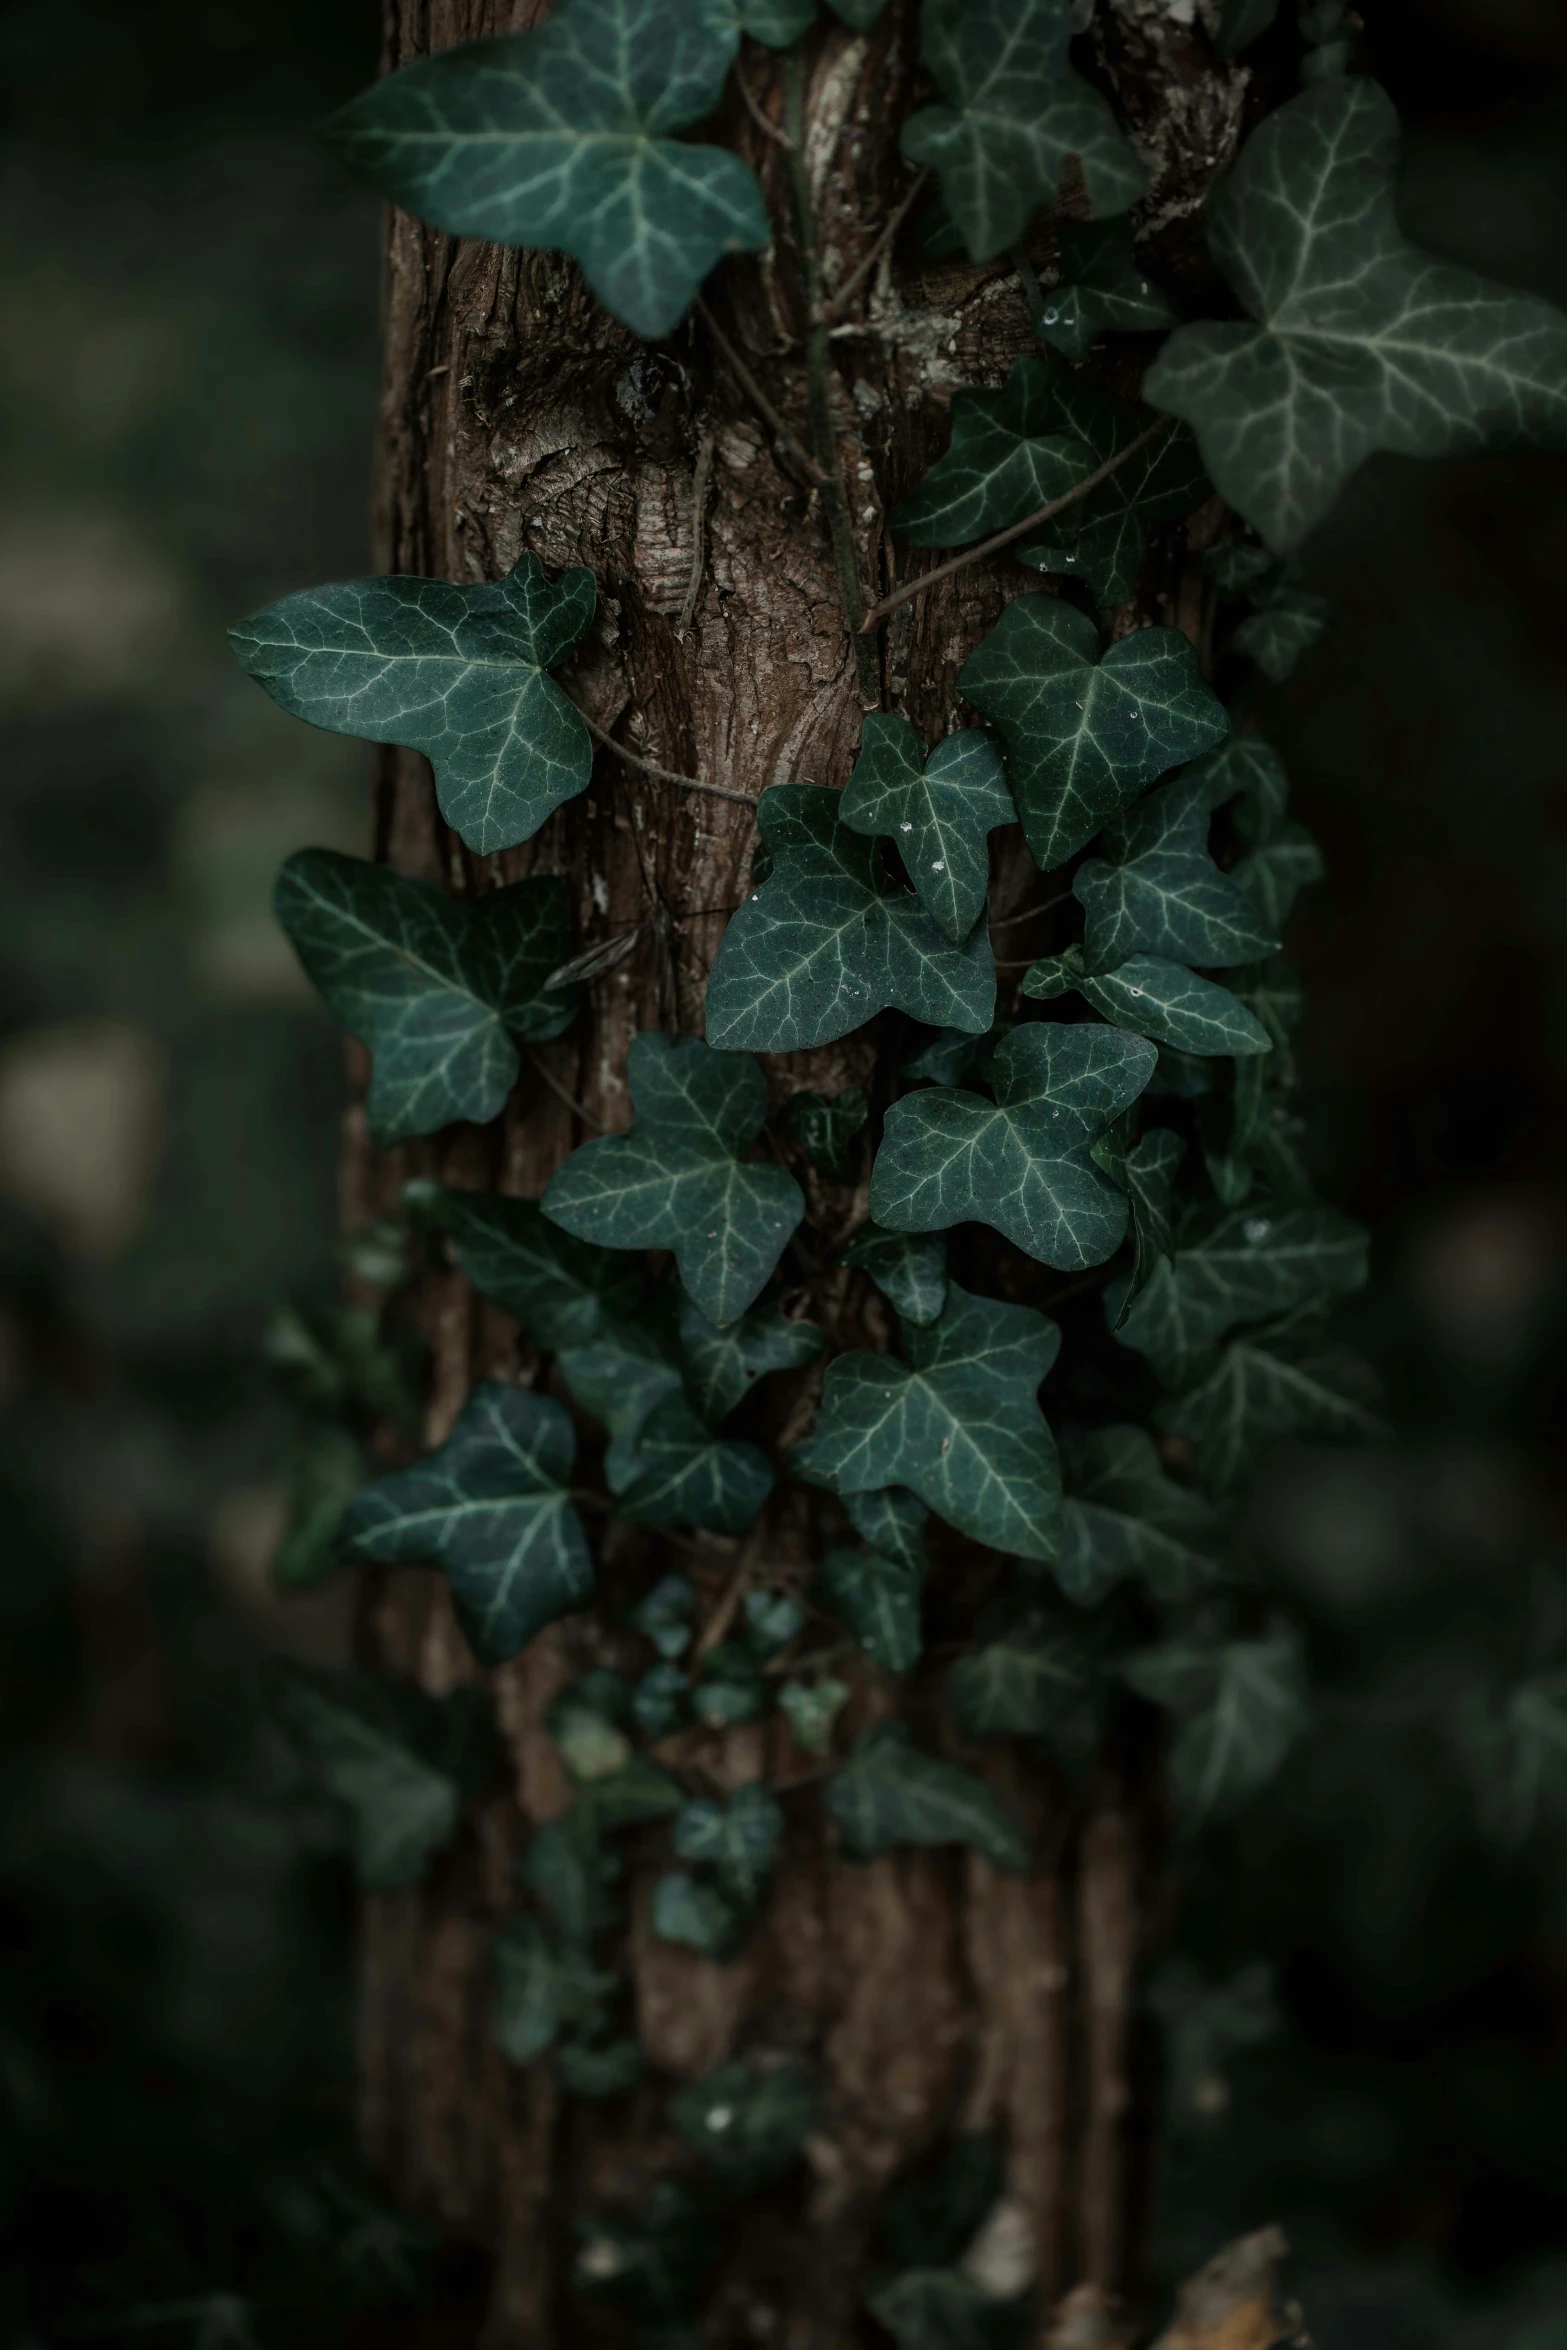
[(934, 1994)]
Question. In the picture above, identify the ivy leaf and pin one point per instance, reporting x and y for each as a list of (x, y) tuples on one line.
[(435, 987), (909, 1268), (1148, 1174), (460, 673), (629, 1798), (585, 1723), (943, 2309), (1157, 999), (598, 2070), (1156, 891), (563, 1292), (892, 1521), (621, 1378), (859, 15), (326, 1471), (686, 1476), (722, 1366), (750, 2118), (656, 2266), (1288, 621), (573, 1876), (696, 1914), (403, 1765), (1285, 1379), (1006, 456), (1103, 288), (1255, 1262), (1030, 1674), (1515, 1749), (890, 1793), (490, 1509), (1250, 772), (562, 138), (677, 1180), (939, 811), (1240, 23), (661, 1701), (1361, 342), (1274, 875), (827, 1128), (731, 1688), (1125, 1519), (1016, 114), (1204, 2025), (777, 24), (879, 1600), (810, 1708), (953, 1058), (1022, 1163), (1103, 537), (959, 1424), (664, 1615), (1241, 1706), (1084, 734), (538, 1989), (830, 940), (734, 1840)]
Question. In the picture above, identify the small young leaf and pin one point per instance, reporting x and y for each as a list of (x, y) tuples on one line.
[(879, 1600), (676, 1180), (1031, 1674), (1008, 454), (1275, 873), (490, 1509), (1015, 114), (661, 1701), (325, 1473), (892, 1521), (1156, 891), (750, 2118), (733, 1841), (1361, 342), (772, 1618), (830, 940), (1241, 1706), (538, 1989), (1286, 1379), (573, 1876), (940, 812), (827, 1128), (564, 1292), (1161, 1000), (403, 1764), (1023, 1162), (1252, 1263), (621, 1378), (1084, 734), (698, 1915), (435, 987), (1125, 1518), (598, 2070), (460, 673), (1289, 619), (1235, 567), (889, 1793), (664, 1615), (1103, 289), (630, 1798), (585, 1720), (959, 1424), (1148, 1174), (683, 1475), (1205, 2025), (810, 1708), (909, 1268), (722, 1366), (562, 138), (731, 1688), (1102, 538)]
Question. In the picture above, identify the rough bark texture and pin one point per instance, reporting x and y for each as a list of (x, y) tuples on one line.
[(934, 1994)]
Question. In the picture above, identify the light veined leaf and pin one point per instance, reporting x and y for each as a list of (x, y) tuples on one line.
[(563, 138), (750, 2119), (621, 1377), (909, 1268), (959, 1424), (539, 1989), (677, 1179), (1515, 1750), (1274, 874), (827, 1128), (1288, 620), (436, 988), (1031, 1673), (939, 811), (1015, 114), (944, 2309), (1083, 734), (1103, 537), (722, 1366), (1103, 288), (564, 1292), (1286, 1379), (879, 1599), (890, 1792), (1248, 774), (1158, 999), (1241, 22), (1236, 566), (489, 1508), (772, 1618), (1356, 341), (1008, 454), (460, 673), (1240, 1705), (1255, 1262), (1125, 1519), (892, 1520), (830, 940), (1156, 890), (1148, 1174), (683, 1475), (403, 1765), (733, 1839)]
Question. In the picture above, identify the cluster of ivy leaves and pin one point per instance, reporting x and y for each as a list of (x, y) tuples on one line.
[(1141, 1125)]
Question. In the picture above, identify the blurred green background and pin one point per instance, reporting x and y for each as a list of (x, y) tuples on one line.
[(1368, 2008)]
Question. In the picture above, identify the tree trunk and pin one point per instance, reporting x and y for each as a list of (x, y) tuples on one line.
[(934, 1994)]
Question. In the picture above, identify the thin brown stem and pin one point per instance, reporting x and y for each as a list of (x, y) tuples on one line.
[(764, 122), (758, 398), (862, 269), (1016, 530), (718, 791), (577, 1109), (1030, 913)]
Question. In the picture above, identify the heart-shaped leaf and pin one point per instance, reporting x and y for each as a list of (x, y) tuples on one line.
[(1286, 1379), (891, 1793), (564, 1292), (959, 1424), (1241, 1706), (539, 1989), (621, 1377), (722, 1366), (1275, 873), (1102, 537), (879, 1599), (677, 1179), (909, 1268), (1156, 890), (403, 1765), (1022, 1163), (562, 137), (1125, 1518), (1008, 455), (1258, 1261), (940, 812), (435, 987), (1102, 288), (892, 1520), (1031, 1673), (1360, 341), (733, 1840), (683, 1475), (830, 940), (460, 673), (1157, 999), (1287, 621), (489, 1508), (697, 1914), (1084, 734)]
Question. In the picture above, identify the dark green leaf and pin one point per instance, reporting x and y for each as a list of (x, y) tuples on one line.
[(436, 988), (892, 1521), (1148, 1173), (733, 1840), (722, 1366), (661, 1701), (1156, 890), (325, 1473), (1274, 875), (572, 1875), (891, 1793), (943, 2309), (676, 1180), (631, 1798), (1125, 1518), (1083, 734), (1008, 455), (731, 1688), (1515, 1749), (772, 1618), (402, 1763), (909, 1268), (539, 1988), (1022, 1163), (563, 1292), (810, 1708), (959, 1424), (827, 1128), (1205, 2025), (1240, 1705), (1241, 22), (698, 1915), (460, 673), (598, 2070), (1157, 999), (562, 138), (939, 811), (1103, 288), (750, 2118), (1284, 1380), (585, 1721), (1236, 566), (656, 2265), (1102, 538), (953, 1058), (664, 1615), (1254, 1262), (686, 1476), (1031, 1674), (1288, 621), (1361, 342), (490, 1510), (1015, 115), (879, 1600), (830, 940)]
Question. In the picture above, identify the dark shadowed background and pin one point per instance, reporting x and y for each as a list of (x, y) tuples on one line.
[(1368, 2008)]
